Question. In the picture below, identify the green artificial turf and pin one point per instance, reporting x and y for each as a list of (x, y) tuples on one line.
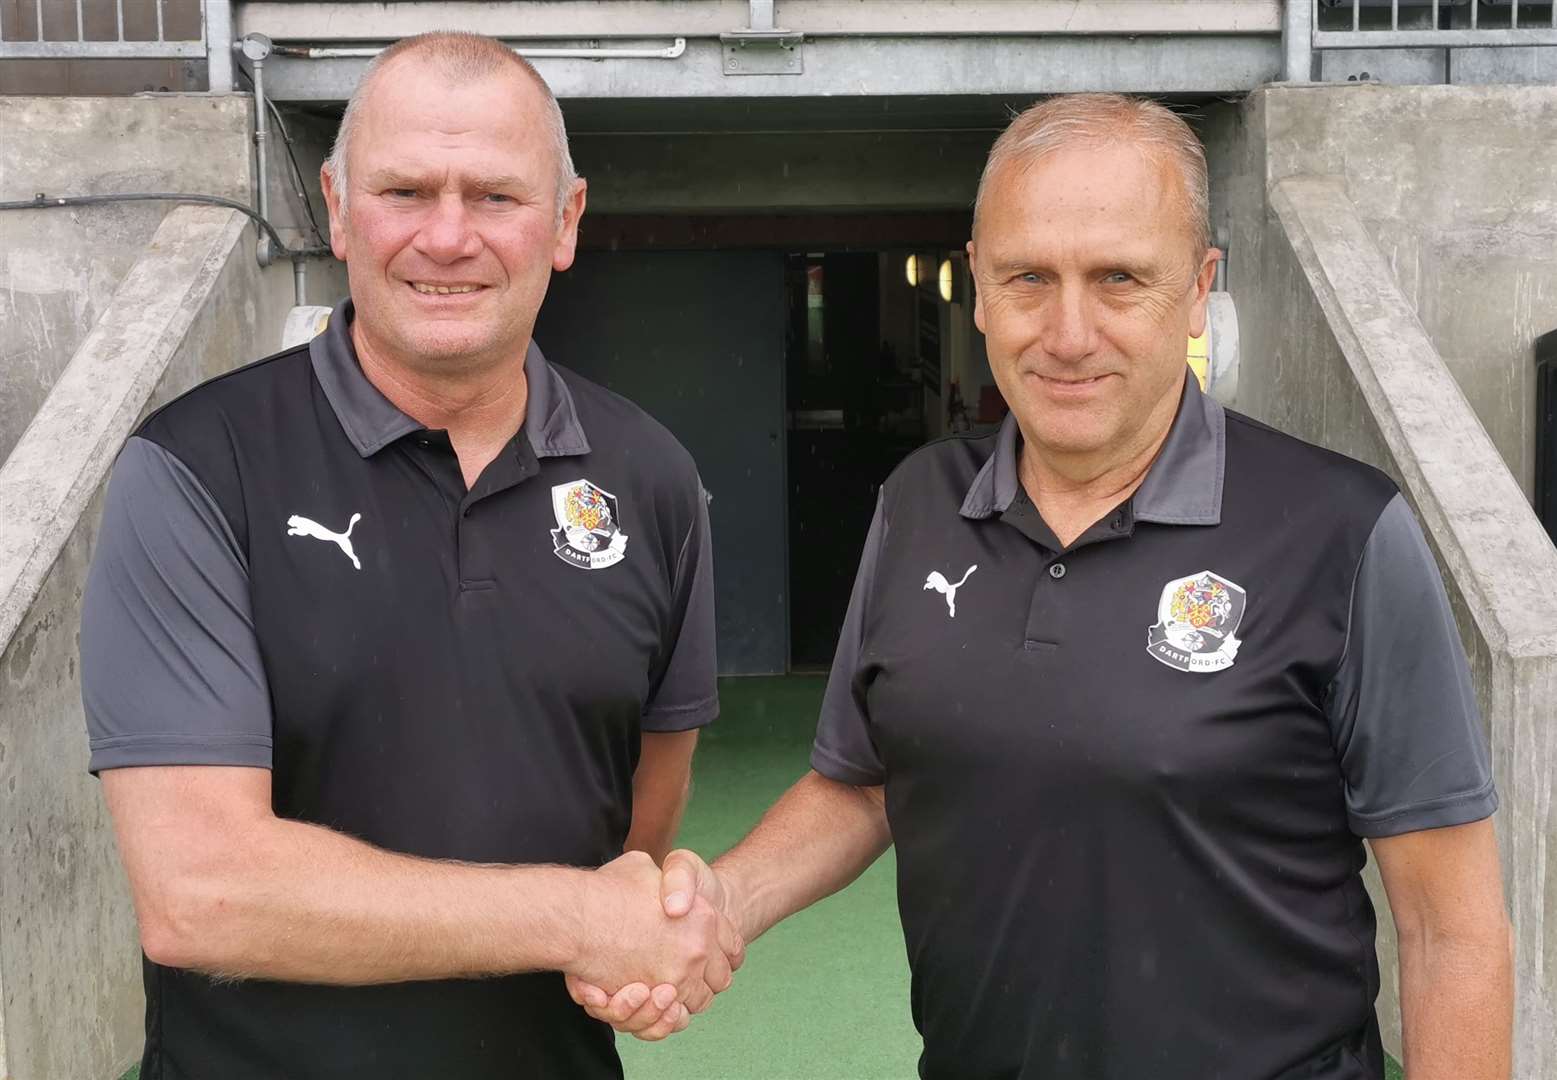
[(823, 995)]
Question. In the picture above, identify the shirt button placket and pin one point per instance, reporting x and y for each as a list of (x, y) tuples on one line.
[(1042, 629)]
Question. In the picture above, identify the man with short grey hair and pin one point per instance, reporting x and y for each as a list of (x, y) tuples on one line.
[(395, 641), (1188, 667)]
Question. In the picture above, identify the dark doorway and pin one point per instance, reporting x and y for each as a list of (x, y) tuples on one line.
[(856, 407), (697, 339), (799, 359)]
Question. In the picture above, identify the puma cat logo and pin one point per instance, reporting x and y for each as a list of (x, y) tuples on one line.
[(938, 582), (298, 525)]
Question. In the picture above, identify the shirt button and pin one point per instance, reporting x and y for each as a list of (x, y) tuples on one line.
[(1057, 571)]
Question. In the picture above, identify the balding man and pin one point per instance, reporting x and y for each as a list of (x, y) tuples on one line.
[(391, 638), (1128, 684)]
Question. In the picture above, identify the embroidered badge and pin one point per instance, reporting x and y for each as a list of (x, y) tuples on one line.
[(587, 533), (1196, 620), (297, 525), (938, 582)]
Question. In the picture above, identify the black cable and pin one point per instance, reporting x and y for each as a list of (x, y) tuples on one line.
[(297, 170), (42, 201)]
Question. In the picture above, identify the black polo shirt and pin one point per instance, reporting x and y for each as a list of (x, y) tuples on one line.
[(292, 575), (1128, 779)]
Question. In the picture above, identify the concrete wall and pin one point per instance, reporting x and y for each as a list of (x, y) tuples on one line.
[(1455, 185), (105, 312), (59, 267), (196, 303), (311, 138), (1350, 282)]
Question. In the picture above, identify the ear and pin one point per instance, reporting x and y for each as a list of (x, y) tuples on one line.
[(1203, 281), (978, 294), (567, 232), (332, 202)]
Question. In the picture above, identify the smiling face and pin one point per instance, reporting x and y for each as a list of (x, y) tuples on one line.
[(451, 232), (1088, 291)]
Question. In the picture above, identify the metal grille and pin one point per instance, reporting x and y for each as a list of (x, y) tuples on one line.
[(1378, 24), (58, 37)]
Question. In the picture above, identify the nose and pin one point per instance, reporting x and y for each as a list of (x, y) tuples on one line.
[(1070, 325), (447, 234)]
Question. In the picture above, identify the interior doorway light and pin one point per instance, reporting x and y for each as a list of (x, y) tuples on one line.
[(918, 270), (946, 280)]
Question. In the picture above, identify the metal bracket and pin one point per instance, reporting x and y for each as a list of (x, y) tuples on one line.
[(760, 48), (778, 53)]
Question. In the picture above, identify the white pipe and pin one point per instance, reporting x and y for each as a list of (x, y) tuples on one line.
[(669, 52), (261, 137)]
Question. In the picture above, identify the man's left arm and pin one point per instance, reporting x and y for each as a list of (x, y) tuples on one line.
[(684, 692), (1456, 951), (684, 696), (1419, 789), (661, 785)]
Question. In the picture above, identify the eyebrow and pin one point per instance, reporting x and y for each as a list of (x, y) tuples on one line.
[(394, 178), (1013, 266), (1139, 267), (498, 181)]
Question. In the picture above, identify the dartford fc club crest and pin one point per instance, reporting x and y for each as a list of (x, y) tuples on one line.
[(588, 532), (1196, 620)]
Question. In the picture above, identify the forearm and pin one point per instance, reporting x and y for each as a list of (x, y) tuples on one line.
[(299, 902), (1457, 1004), (661, 785), (655, 832), (815, 840)]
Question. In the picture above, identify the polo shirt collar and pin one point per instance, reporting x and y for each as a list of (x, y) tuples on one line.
[(371, 421), (1182, 487)]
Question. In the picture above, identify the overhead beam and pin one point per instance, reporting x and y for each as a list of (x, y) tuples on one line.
[(877, 67), (321, 21)]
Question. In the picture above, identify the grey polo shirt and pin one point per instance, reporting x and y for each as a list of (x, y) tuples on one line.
[(1127, 779), (292, 575)]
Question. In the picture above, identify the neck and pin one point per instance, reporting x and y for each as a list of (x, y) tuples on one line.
[(482, 404), (1071, 491)]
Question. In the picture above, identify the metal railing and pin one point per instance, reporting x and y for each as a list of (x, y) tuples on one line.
[(1511, 27), (214, 43)]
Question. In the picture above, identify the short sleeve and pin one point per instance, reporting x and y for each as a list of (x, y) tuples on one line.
[(844, 750), (688, 693), (1402, 709), (170, 667)]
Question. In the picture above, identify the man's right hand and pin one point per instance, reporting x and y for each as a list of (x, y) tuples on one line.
[(815, 840), (686, 886), (630, 945), (684, 878)]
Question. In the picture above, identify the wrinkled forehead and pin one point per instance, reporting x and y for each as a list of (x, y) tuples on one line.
[(1111, 193), (413, 97)]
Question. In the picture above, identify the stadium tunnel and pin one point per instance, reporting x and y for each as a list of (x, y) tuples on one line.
[(772, 261), (772, 264)]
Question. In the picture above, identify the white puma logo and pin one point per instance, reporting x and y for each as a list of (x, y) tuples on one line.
[(301, 526), (939, 583)]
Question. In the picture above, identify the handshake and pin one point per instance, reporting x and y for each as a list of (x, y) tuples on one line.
[(662, 944)]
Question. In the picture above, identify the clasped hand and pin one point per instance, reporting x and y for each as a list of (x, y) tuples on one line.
[(661, 945)]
